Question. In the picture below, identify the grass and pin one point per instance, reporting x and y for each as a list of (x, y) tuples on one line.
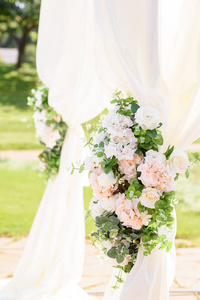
[(22, 189), (15, 87), (188, 209)]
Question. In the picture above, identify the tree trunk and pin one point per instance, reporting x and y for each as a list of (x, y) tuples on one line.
[(21, 47)]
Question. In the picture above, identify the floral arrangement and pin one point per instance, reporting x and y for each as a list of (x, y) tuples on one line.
[(133, 183), (50, 129)]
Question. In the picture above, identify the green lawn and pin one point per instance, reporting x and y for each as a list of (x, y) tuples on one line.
[(15, 87), (22, 189)]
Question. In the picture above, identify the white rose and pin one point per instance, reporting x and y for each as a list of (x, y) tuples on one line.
[(147, 117), (109, 204), (178, 161), (151, 154), (92, 162), (96, 208), (149, 197), (107, 180)]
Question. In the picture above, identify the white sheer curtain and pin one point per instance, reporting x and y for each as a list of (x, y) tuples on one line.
[(151, 48), (51, 265)]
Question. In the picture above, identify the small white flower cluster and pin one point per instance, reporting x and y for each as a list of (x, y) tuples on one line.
[(123, 143)]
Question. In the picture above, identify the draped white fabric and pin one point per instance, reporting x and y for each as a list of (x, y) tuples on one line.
[(151, 48), (51, 265), (86, 49)]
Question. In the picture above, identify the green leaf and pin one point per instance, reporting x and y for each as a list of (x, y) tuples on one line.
[(51, 114), (196, 155), (99, 154), (114, 220), (108, 226), (169, 151), (159, 139), (101, 144), (119, 279), (162, 246), (152, 133), (120, 258), (187, 174), (134, 107), (107, 170), (112, 253), (82, 168), (162, 238)]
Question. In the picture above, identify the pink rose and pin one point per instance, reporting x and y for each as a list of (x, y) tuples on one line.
[(128, 213)]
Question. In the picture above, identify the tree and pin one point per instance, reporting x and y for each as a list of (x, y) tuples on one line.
[(19, 18)]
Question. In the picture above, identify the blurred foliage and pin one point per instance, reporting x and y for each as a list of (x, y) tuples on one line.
[(29, 55), (19, 22), (15, 86)]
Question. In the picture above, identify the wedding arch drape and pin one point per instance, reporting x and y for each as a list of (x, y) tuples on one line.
[(86, 49), (51, 265), (151, 48)]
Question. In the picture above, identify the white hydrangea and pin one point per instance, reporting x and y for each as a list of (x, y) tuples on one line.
[(100, 137), (120, 151), (116, 124), (147, 117)]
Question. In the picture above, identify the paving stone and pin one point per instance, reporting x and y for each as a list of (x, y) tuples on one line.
[(97, 273)]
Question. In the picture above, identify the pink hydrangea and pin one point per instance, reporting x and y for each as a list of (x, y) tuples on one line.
[(157, 174), (129, 214), (128, 167), (100, 192)]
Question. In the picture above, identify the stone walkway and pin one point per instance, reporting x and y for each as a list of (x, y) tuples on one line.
[(97, 274), (20, 155)]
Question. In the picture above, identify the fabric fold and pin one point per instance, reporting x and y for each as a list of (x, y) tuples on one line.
[(52, 263)]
